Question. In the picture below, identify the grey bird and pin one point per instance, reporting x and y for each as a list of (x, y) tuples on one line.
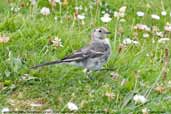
[(91, 57)]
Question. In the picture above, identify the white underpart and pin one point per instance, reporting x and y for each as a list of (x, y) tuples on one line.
[(106, 41)]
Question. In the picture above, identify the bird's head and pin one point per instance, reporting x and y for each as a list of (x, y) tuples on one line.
[(100, 33)]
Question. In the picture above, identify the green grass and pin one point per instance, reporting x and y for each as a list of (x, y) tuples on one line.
[(55, 86)]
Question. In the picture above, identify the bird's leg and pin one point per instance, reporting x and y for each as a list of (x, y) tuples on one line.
[(87, 73)]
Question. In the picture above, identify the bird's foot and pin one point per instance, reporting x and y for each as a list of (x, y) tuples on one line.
[(88, 74)]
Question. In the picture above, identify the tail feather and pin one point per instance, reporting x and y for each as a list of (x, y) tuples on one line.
[(45, 64)]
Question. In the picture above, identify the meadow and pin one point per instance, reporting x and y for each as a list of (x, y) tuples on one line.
[(37, 31)]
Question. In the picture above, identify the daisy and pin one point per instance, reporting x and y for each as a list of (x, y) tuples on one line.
[(106, 18), (160, 34), (139, 99), (167, 27), (127, 41), (33, 2), (121, 12), (146, 35), (54, 1), (72, 106), (122, 9), (45, 11), (57, 42), (163, 13), (135, 42), (142, 27), (81, 17), (140, 14), (155, 17)]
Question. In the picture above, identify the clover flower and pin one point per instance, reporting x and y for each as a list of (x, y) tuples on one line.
[(155, 17), (140, 14), (72, 106), (139, 99), (106, 18), (45, 11)]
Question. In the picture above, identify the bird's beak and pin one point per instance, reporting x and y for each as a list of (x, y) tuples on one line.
[(107, 32)]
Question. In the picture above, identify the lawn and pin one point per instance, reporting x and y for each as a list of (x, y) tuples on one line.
[(141, 47)]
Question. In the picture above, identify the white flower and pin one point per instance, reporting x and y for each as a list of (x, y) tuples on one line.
[(142, 27), (121, 12), (106, 18), (5, 110), (15, 9), (167, 27), (57, 42), (122, 9), (156, 17), (140, 14), (163, 13), (139, 99), (33, 2), (160, 34), (163, 40), (135, 42), (45, 11), (56, 1), (72, 106), (81, 17), (146, 35), (127, 41)]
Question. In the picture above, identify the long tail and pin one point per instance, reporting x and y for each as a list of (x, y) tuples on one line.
[(48, 63)]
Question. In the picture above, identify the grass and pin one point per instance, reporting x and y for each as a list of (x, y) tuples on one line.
[(55, 86)]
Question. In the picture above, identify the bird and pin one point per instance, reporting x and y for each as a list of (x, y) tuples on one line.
[(92, 57)]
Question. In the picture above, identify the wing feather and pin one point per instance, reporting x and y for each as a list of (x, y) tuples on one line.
[(84, 53)]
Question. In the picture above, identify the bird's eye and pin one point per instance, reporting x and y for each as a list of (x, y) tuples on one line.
[(100, 31)]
